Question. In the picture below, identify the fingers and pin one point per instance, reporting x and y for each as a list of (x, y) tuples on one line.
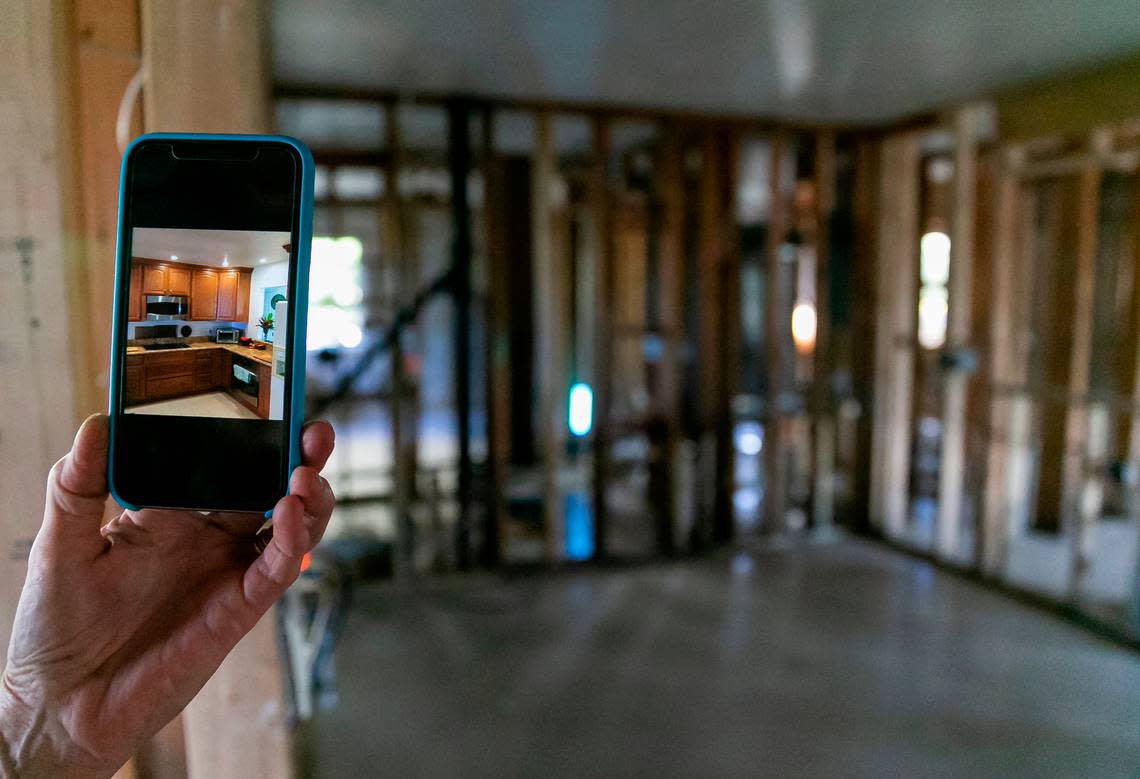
[(317, 441), (77, 491), (317, 498), (280, 563)]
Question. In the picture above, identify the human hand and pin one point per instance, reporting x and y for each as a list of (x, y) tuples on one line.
[(119, 626)]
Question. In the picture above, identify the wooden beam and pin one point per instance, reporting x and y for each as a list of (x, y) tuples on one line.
[(551, 325), (602, 241), (1079, 522), (40, 269), (864, 304), (777, 336), (728, 324), (459, 154), (207, 66), (895, 332), (206, 72), (952, 464), (498, 353), (669, 191), (822, 411), (1007, 412), (587, 108)]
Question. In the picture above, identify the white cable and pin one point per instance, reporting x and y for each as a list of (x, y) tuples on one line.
[(127, 109)]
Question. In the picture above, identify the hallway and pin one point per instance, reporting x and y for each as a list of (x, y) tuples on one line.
[(825, 659)]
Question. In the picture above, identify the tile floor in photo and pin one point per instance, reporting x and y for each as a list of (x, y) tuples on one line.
[(211, 404)]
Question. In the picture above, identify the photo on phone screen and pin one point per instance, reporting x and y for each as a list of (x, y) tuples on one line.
[(208, 320), (208, 271)]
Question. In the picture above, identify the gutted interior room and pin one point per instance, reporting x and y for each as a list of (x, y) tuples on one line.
[(719, 388)]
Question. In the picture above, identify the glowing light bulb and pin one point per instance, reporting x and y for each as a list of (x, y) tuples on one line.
[(581, 416), (803, 327)]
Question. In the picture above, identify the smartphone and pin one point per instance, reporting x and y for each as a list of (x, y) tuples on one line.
[(208, 347)]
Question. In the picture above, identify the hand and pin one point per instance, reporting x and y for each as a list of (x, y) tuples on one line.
[(119, 626)]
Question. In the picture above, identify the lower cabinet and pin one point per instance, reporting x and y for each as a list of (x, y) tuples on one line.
[(134, 385), (175, 374), (169, 387)]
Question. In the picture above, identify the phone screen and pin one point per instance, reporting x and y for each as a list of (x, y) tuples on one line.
[(207, 273)]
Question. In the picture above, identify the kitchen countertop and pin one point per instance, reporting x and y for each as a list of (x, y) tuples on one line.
[(264, 356)]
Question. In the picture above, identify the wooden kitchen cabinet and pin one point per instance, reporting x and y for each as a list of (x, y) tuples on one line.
[(206, 370), (227, 295), (263, 388), (154, 279), (244, 280), (204, 294), (134, 382), (134, 296), (178, 281)]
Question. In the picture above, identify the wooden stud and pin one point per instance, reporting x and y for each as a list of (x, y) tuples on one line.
[(206, 73), (669, 191), (602, 241), (777, 311), (952, 464), (895, 331), (498, 357), (864, 297), (1005, 410), (459, 164), (1080, 516), (822, 413), (551, 324)]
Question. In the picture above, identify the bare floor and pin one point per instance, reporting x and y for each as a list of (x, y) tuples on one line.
[(211, 404), (839, 659)]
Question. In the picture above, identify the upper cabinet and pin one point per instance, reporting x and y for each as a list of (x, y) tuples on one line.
[(154, 279), (178, 281), (215, 294), (242, 313), (227, 295), (158, 279), (134, 297), (204, 294)]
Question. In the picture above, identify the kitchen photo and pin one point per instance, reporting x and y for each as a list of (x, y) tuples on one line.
[(207, 323)]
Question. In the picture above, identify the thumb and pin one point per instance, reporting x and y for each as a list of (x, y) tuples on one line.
[(77, 490)]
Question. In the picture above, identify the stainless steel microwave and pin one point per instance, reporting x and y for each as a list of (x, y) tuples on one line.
[(167, 307), (227, 335)]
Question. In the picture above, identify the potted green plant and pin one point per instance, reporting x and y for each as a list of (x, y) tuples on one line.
[(266, 324)]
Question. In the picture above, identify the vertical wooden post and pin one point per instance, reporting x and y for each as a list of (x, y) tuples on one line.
[(895, 331), (394, 219), (728, 327), (864, 297), (777, 335), (670, 256), (823, 419), (1080, 520), (602, 224), (206, 72), (40, 265), (952, 465), (459, 165), (550, 317), (1003, 360), (498, 348)]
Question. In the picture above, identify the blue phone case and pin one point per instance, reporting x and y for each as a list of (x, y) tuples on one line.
[(298, 308)]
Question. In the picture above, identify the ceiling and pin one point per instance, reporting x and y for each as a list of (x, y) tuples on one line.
[(825, 60), (242, 248)]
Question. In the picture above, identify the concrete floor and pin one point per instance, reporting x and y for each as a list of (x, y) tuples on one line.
[(840, 659)]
